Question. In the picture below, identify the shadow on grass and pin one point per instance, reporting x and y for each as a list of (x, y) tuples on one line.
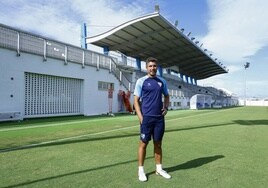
[(86, 138), (192, 163), (252, 122), (187, 165), (199, 127), (69, 174)]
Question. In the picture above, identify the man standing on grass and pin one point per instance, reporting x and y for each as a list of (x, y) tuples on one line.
[(151, 111)]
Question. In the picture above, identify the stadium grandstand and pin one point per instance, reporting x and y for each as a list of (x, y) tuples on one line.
[(41, 77)]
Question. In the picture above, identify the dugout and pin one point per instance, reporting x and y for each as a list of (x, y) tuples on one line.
[(201, 101)]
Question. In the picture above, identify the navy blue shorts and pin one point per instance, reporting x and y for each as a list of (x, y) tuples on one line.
[(152, 127)]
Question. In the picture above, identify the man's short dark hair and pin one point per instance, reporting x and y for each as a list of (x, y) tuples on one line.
[(151, 59)]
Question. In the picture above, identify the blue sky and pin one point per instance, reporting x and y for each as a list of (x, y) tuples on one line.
[(234, 31)]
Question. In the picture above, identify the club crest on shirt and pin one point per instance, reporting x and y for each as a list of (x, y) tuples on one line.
[(159, 83)]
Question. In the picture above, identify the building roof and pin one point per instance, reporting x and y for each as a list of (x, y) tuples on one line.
[(152, 35)]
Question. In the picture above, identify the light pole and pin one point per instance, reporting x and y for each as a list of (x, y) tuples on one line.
[(245, 89)]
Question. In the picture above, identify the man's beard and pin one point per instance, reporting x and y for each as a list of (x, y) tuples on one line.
[(152, 73)]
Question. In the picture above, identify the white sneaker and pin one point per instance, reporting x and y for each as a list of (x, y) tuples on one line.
[(142, 176), (163, 174)]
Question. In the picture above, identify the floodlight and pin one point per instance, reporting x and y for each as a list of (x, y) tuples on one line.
[(247, 65), (245, 88), (176, 23), (156, 8)]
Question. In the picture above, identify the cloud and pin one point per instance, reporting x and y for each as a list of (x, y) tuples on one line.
[(103, 15), (237, 29), (55, 20), (49, 20), (258, 83), (225, 82), (237, 33), (256, 88), (233, 69)]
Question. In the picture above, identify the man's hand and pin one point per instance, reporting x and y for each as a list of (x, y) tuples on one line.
[(164, 111)]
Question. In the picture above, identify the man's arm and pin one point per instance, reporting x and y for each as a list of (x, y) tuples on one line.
[(138, 108), (165, 105), (166, 101)]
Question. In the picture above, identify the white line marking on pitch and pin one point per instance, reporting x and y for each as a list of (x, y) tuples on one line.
[(91, 134), (53, 124)]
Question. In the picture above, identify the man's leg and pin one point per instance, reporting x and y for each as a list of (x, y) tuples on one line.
[(158, 160), (141, 158), (158, 152), (142, 153), (158, 136), (158, 133)]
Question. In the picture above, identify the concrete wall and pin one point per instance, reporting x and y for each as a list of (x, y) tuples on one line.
[(260, 102), (12, 84)]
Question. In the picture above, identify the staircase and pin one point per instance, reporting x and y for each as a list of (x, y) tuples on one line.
[(119, 74)]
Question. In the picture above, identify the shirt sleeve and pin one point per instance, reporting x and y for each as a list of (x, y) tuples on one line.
[(165, 88), (138, 87)]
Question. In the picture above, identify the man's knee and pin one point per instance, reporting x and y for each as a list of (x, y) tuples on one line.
[(157, 144), (143, 144)]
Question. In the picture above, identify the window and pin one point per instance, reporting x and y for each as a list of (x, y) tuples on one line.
[(178, 103), (105, 85)]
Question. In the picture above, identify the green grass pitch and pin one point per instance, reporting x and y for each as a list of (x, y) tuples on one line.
[(223, 148)]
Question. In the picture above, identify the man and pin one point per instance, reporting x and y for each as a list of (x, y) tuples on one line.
[(151, 111)]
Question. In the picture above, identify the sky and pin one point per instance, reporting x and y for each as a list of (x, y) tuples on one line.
[(234, 31)]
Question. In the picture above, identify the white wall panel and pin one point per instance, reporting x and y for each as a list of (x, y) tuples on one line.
[(52, 72)]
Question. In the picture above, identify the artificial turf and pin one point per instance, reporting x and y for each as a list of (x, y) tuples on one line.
[(201, 148)]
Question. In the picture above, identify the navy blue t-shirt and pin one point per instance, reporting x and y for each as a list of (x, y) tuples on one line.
[(150, 90)]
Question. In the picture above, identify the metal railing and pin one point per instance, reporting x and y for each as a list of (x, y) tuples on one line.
[(21, 41)]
